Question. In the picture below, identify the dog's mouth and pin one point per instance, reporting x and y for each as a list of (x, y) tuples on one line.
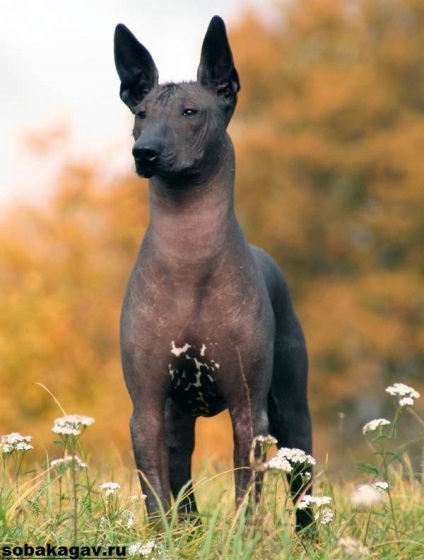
[(172, 175), (147, 168), (144, 169), (146, 173)]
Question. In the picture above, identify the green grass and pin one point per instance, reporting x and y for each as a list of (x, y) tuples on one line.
[(63, 505)]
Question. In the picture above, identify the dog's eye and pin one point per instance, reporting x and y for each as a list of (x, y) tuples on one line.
[(141, 115), (189, 112)]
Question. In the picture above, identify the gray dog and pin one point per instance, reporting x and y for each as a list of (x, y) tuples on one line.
[(207, 321)]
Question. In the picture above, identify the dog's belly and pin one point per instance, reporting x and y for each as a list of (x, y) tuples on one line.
[(193, 372)]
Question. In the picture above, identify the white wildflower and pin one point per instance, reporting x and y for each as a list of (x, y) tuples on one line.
[(130, 521), (374, 424), (72, 424), (381, 486), (318, 501), (66, 461), (144, 549), (296, 456), (137, 497), (353, 548), (15, 442), (109, 488), (278, 463), (286, 457), (66, 430), (258, 450), (365, 495), (406, 395), (23, 446), (266, 440), (60, 462), (128, 518), (324, 516)]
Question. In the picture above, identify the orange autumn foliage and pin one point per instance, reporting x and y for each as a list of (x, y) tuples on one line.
[(328, 134)]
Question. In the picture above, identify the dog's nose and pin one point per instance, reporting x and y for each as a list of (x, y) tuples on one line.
[(146, 157), (145, 154)]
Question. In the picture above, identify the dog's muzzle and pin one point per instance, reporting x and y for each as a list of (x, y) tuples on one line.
[(146, 160)]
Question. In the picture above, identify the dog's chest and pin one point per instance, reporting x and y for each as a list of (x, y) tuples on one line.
[(193, 374)]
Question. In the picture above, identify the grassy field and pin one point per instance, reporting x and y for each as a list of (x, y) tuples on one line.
[(68, 503)]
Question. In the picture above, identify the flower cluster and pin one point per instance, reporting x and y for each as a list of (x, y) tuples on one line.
[(279, 463), (287, 458), (353, 548), (265, 443), (266, 440), (373, 425), (367, 495), (406, 395), (128, 518), (71, 424), (143, 549), (134, 498), (324, 515), (15, 442), (67, 461), (381, 486), (318, 501), (125, 518), (109, 488)]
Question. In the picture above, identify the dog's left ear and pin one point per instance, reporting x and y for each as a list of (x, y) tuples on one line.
[(216, 69)]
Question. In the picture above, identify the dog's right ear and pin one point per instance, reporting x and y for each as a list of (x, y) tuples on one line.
[(135, 67)]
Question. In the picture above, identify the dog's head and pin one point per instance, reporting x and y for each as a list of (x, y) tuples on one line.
[(178, 128)]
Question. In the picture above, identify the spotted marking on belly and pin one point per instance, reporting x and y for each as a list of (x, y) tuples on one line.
[(194, 388), (178, 351)]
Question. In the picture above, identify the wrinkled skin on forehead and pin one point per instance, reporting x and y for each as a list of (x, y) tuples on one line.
[(197, 116)]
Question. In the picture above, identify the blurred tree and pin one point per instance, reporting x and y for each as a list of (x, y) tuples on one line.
[(328, 135), (64, 274), (330, 180)]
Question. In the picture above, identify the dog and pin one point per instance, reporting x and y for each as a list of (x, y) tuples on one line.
[(207, 321)]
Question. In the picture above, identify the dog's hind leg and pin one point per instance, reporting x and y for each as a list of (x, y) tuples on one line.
[(179, 436), (289, 417)]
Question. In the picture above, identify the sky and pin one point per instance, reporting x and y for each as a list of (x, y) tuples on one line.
[(57, 73)]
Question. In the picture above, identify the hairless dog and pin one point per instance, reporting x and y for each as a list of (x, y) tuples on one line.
[(207, 321)]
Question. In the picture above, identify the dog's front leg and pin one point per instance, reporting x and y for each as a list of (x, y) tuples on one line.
[(246, 426), (151, 457), (242, 473)]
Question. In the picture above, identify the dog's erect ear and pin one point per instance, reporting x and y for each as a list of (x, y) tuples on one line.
[(135, 67), (216, 69)]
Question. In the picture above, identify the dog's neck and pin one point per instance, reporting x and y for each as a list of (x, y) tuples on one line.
[(193, 221)]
